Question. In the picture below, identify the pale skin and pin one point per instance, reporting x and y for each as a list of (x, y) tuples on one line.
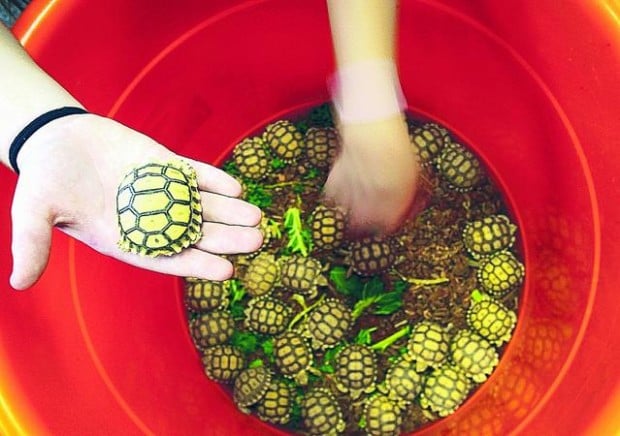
[(70, 171), (376, 174)]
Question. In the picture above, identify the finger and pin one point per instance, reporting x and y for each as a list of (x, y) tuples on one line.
[(32, 237), (228, 210), (223, 239), (190, 262), (215, 180)]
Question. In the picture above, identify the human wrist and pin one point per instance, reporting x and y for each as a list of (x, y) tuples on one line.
[(367, 91)]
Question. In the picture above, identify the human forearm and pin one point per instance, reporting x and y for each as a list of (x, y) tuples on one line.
[(27, 91)]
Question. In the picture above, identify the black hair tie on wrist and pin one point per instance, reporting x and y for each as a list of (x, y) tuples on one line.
[(35, 125)]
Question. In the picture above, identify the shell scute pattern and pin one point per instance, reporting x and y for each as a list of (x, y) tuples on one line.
[(371, 255), (500, 273), (321, 413), (223, 363), (429, 140), (293, 356), (262, 274), (382, 416), (267, 315), (445, 390), (328, 323), (459, 167), (205, 295), (403, 382), (488, 235), (328, 227), (212, 328), (252, 159), (491, 319), (159, 209), (250, 386), (277, 403), (428, 345), (473, 354), (355, 369), (284, 140), (322, 145), (303, 274)]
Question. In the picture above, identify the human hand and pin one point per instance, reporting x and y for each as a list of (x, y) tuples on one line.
[(70, 172), (375, 176)]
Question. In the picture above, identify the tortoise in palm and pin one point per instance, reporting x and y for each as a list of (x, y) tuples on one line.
[(159, 209)]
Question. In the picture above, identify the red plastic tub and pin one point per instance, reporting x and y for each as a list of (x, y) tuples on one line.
[(98, 347)]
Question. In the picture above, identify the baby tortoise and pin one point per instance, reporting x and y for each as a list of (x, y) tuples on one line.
[(402, 382), (302, 274), (321, 146), (371, 255), (429, 140), (159, 209), (252, 159), (488, 235), (205, 295), (473, 354), (327, 225), (250, 387), (223, 363), (355, 370), (428, 345), (459, 167), (491, 319), (276, 405), (445, 390), (328, 323), (283, 138), (262, 274), (500, 273), (267, 315), (321, 413), (212, 328), (382, 416), (293, 356)]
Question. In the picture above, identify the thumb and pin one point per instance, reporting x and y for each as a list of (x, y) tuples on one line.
[(32, 237)]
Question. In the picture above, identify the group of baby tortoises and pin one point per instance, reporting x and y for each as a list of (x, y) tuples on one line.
[(160, 214)]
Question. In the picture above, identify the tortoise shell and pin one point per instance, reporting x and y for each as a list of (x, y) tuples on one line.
[(459, 167), (250, 386), (302, 274), (159, 209), (371, 255), (277, 403), (491, 319), (212, 328), (261, 275), (428, 345), (293, 356), (500, 273), (328, 323), (473, 354), (488, 235), (252, 159), (445, 390), (284, 140), (355, 369), (267, 315), (429, 140), (403, 382), (321, 413), (205, 295), (328, 226), (382, 416), (223, 362), (321, 146)]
